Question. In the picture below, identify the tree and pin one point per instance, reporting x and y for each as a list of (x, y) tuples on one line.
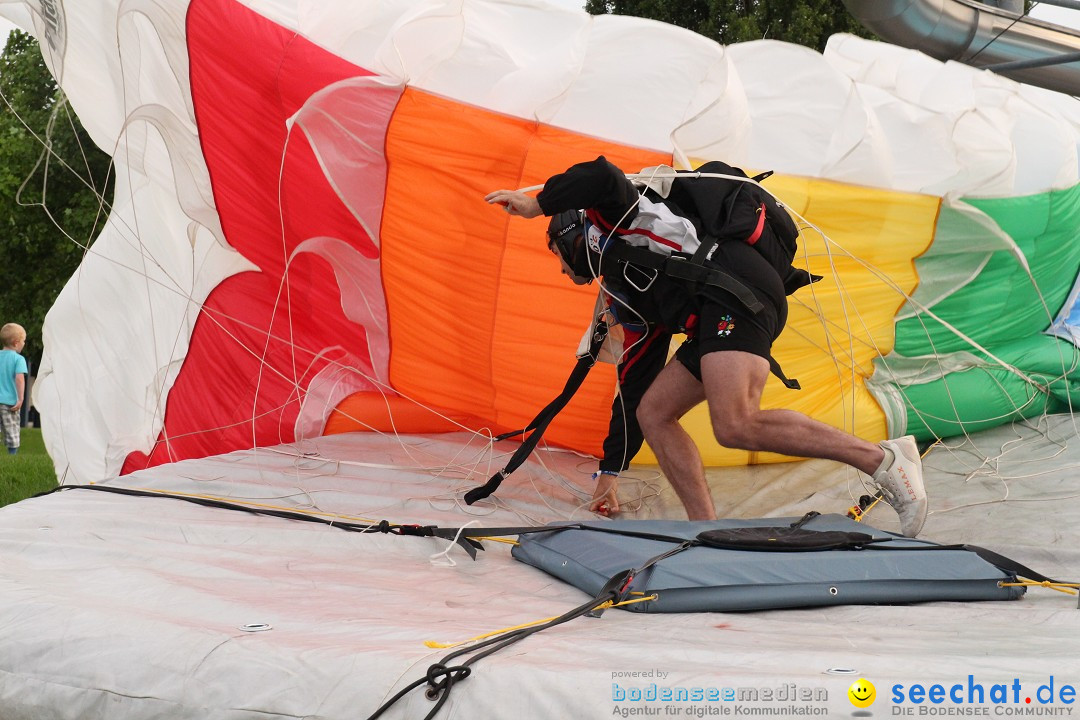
[(805, 22), (54, 185)]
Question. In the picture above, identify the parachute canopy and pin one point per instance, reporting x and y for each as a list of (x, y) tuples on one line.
[(298, 244)]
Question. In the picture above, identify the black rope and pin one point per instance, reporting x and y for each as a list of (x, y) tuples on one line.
[(441, 676), (464, 536), (383, 526)]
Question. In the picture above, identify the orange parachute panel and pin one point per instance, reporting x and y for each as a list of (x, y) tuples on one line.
[(389, 413), (482, 322)]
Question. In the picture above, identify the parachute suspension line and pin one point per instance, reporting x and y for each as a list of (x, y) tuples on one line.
[(847, 325), (991, 468), (442, 558), (817, 312), (942, 373), (103, 203), (46, 145), (284, 296), (924, 310), (285, 289), (1064, 378), (543, 496), (1017, 409), (465, 469), (829, 243)]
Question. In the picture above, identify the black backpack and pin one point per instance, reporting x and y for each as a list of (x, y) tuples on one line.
[(723, 209)]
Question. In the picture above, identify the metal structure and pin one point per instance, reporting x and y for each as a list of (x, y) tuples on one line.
[(981, 35)]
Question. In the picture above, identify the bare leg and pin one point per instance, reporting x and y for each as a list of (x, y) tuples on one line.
[(733, 383), (674, 392)]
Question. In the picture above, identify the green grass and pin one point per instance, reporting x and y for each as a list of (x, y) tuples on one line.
[(29, 472)]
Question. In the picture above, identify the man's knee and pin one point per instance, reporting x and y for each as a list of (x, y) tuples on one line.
[(736, 430), (655, 411), (648, 415)]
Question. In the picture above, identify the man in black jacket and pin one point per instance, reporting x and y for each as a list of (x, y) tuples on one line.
[(731, 324)]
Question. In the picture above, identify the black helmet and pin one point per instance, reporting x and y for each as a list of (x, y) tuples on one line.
[(566, 238)]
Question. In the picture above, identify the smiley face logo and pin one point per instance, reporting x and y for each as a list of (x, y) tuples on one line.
[(862, 693)]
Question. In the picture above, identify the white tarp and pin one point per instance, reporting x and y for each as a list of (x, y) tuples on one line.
[(124, 608)]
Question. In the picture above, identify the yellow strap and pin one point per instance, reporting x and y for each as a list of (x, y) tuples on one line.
[(508, 541), (493, 633), (1067, 588)]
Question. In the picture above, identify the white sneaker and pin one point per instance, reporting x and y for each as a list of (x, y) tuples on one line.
[(901, 484)]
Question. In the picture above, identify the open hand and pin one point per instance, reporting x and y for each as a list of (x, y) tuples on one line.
[(515, 202)]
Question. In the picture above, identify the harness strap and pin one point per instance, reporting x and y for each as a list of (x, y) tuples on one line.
[(693, 270), (681, 268), (789, 383), (1007, 564), (540, 423), (705, 250)]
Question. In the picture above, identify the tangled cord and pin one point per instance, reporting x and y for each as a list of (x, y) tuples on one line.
[(441, 677)]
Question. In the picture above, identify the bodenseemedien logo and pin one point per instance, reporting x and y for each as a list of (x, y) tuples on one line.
[(669, 698)]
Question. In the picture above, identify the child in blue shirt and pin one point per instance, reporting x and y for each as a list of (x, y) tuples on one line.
[(12, 382)]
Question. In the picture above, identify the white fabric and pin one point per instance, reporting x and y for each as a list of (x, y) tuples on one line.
[(863, 112), (122, 608), (657, 228)]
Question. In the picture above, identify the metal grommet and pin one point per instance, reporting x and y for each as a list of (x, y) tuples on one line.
[(256, 627), (833, 591)]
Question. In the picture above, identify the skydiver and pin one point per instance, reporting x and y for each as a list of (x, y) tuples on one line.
[(725, 361)]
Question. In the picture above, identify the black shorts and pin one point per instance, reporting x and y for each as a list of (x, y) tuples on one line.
[(724, 326)]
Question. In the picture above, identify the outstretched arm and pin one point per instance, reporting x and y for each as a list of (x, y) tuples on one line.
[(595, 184), (515, 202)]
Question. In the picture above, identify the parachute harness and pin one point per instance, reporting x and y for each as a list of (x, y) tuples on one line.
[(691, 270)]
